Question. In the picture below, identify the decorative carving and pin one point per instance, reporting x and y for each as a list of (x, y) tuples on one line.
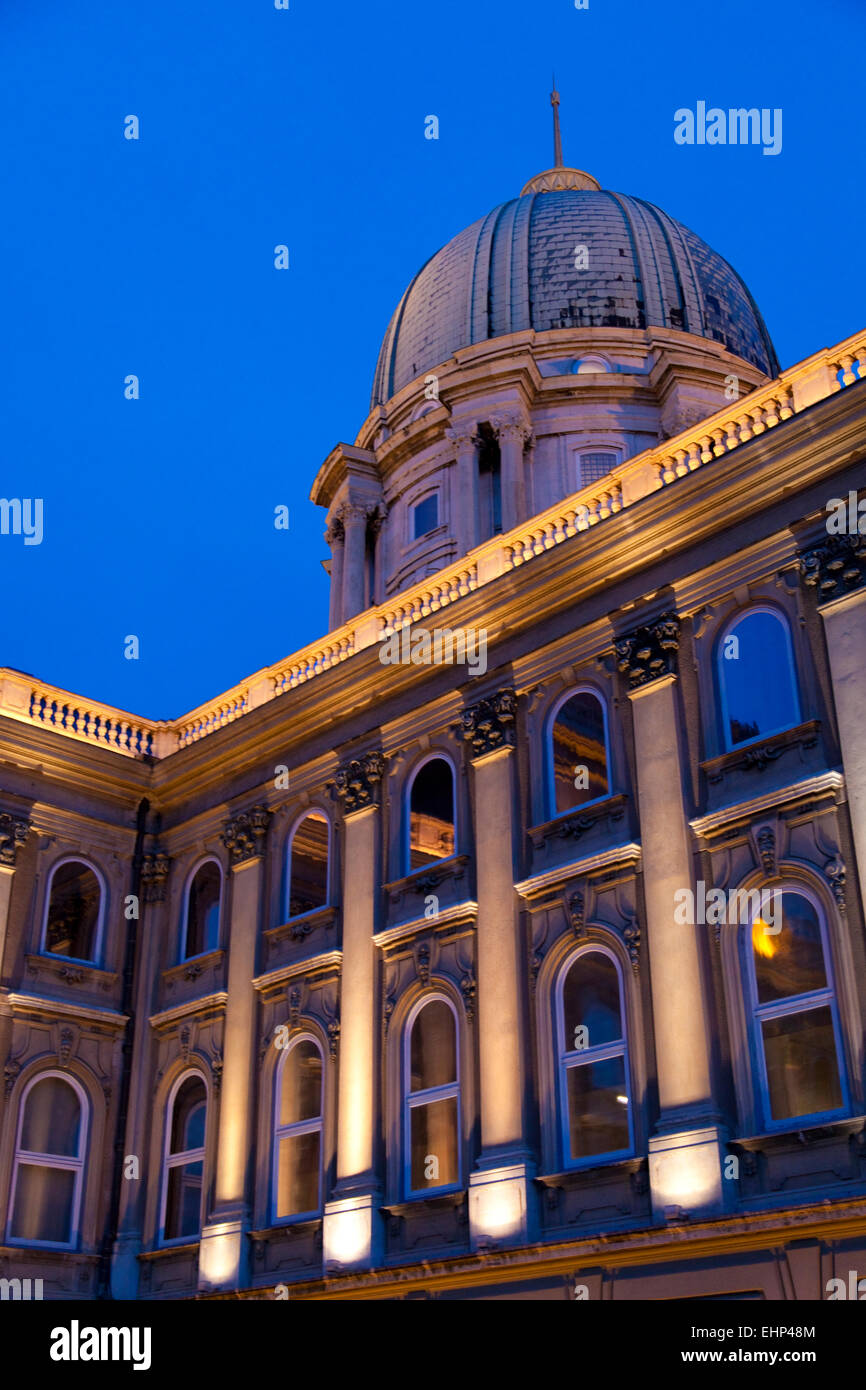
[(422, 962), (244, 834), (463, 435), (193, 970), (10, 1072), (216, 1066), (184, 1042), (650, 651), (564, 827), (105, 1083), (13, 832), (757, 758), (835, 568), (336, 532), (632, 937), (64, 1050), (835, 872), (468, 987), (490, 724), (333, 1037), (640, 1181), (376, 518), (71, 975), (576, 912), (357, 781), (512, 427), (766, 842), (154, 876), (388, 1007), (535, 960), (294, 1006)]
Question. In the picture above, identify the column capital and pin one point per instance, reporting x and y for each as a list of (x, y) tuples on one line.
[(335, 530), (154, 875), (357, 781), (649, 652), (350, 513), (244, 834), (835, 568), (512, 425), (13, 832), (489, 725), (463, 434)]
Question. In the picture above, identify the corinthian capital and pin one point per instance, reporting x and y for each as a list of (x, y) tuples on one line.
[(649, 652), (835, 568), (13, 832), (154, 876), (512, 426), (463, 435), (357, 781), (244, 834), (335, 533), (490, 724)]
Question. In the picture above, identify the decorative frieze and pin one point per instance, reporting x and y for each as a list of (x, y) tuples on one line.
[(490, 724), (154, 876), (13, 832), (836, 567), (357, 781), (649, 652), (244, 834)]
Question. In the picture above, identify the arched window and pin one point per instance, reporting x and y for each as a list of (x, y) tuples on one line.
[(432, 1098), (795, 1023), (594, 1082), (757, 680), (202, 926), (48, 1170), (299, 1108), (74, 915), (431, 814), (307, 869), (578, 752), (184, 1159)]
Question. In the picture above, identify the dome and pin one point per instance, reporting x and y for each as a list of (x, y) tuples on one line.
[(515, 270)]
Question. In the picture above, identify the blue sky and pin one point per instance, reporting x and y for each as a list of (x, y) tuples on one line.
[(306, 127)]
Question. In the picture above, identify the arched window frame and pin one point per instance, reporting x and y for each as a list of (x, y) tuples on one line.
[(68, 1163), (799, 1003), (435, 755), (734, 620), (100, 920), (184, 927), (287, 864), (170, 1160), (298, 1127), (411, 1099), (567, 1058), (550, 770)]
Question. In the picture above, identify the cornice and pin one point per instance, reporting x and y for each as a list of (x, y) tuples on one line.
[(625, 856), (205, 1003), (464, 912), (826, 784), (59, 1008), (310, 965)]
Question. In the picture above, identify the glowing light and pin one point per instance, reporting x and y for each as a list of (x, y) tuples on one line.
[(763, 943), (623, 1100)]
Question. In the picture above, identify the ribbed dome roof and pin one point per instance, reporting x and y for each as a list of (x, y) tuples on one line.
[(515, 269)]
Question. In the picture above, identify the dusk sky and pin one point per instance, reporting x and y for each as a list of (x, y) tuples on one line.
[(306, 127)]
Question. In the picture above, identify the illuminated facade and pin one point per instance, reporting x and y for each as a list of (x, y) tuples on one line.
[(495, 978)]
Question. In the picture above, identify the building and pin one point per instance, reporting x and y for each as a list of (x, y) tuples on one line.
[(508, 941)]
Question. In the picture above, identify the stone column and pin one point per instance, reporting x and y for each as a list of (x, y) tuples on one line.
[(513, 432), (464, 491), (224, 1254), (13, 832), (336, 538), (501, 1207), (837, 572), (352, 1235), (686, 1151), (355, 524), (139, 1117)]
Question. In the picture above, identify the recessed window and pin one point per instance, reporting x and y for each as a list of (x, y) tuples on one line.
[(203, 911), (74, 904), (489, 483), (308, 865), (595, 465), (756, 677), (48, 1169), (431, 814), (578, 748), (298, 1131), (425, 516), (595, 1090), (432, 1099), (184, 1161)]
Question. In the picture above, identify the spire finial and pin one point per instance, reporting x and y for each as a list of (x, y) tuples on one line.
[(557, 138)]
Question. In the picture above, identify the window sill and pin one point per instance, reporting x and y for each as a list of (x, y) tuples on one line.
[(426, 879), (573, 824), (757, 755), (300, 927), (70, 973)]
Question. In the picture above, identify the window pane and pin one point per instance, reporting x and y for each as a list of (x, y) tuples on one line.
[(188, 1116), (434, 1047), (790, 961), (43, 1203), (301, 1097), (590, 1000), (579, 752), (431, 816), (298, 1174), (434, 1144), (802, 1066), (73, 911), (426, 515), (596, 465), (308, 859), (597, 1108), (760, 689), (183, 1201), (202, 932), (52, 1119)]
